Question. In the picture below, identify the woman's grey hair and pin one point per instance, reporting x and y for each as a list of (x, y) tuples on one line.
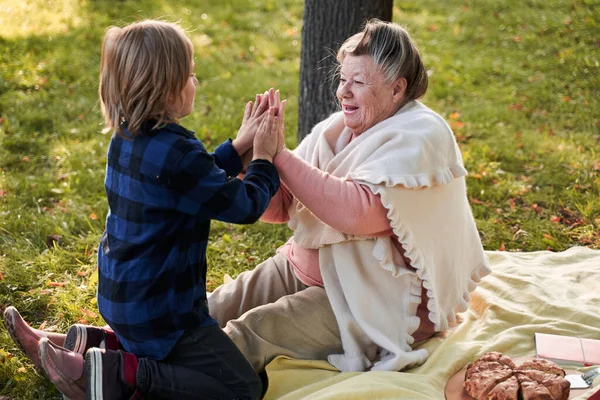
[(393, 51)]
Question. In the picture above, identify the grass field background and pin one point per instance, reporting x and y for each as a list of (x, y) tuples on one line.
[(518, 81)]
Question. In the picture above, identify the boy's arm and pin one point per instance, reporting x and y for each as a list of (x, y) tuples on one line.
[(228, 159), (208, 192)]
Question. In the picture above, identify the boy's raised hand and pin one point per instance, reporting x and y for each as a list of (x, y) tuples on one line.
[(254, 114)]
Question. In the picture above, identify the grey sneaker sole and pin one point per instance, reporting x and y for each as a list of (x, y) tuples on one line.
[(76, 339), (93, 374)]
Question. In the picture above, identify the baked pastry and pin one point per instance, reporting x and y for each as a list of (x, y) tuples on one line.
[(532, 390), (507, 390), (542, 365), (495, 376), (558, 387)]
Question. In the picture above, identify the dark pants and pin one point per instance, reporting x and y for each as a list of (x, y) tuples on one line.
[(204, 364)]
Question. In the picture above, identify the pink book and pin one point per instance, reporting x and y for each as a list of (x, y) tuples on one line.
[(567, 350)]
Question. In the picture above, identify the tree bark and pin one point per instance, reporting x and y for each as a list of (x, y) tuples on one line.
[(327, 24)]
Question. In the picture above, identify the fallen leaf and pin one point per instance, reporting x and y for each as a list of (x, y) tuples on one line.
[(89, 313), (549, 237), (555, 219), (476, 201), (513, 206), (516, 39), (25, 159), (516, 106), (55, 284), (502, 247), (22, 370), (570, 218), (525, 178), (82, 273), (536, 208), (433, 28), (93, 216), (457, 124), (566, 99), (42, 326), (454, 115), (226, 238), (519, 232), (3, 193)]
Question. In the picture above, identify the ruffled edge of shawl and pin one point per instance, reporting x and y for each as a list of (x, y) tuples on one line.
[(426, 179), (417, 262)]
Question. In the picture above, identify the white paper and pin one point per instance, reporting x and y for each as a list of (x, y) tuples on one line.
[(577, 382)]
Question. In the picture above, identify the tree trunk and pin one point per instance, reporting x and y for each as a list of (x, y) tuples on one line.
[(327, 24)]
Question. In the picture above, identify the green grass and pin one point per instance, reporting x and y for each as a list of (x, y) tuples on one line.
[(517, 80)]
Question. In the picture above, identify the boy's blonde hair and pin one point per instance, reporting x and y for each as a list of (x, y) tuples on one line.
[(143, 66)]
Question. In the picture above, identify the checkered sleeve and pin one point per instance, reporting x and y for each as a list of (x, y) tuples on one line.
[(227, 158), (207, 191)]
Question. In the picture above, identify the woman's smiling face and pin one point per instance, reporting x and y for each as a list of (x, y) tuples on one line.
[(364, 94)]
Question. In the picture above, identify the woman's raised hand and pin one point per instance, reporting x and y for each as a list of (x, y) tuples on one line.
[(254, 114), (275, 101)]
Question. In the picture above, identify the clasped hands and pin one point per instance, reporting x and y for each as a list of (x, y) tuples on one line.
[(261, 135)]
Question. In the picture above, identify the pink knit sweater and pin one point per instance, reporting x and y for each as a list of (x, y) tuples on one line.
[(337, 199)]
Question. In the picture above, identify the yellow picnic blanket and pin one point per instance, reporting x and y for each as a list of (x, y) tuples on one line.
[(557, 293)]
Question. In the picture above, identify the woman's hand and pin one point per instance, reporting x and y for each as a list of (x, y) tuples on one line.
[(254, 114), (281, 130), (275, 101), (266, 140)]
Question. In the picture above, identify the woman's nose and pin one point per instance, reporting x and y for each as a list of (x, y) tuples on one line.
[(344, 89)]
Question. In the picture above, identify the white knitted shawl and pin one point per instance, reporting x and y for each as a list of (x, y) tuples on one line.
[(413, 162)]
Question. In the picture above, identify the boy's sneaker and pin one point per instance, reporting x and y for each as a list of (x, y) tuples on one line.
[(26, 337), (80, 338), (110, 375), (64, 368)]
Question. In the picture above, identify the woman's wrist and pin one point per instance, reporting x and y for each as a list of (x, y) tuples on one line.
[(262, 156)]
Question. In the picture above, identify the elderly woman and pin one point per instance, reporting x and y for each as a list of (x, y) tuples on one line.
[(385, 250)]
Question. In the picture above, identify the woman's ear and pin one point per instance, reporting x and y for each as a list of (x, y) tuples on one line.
[(399, 87)]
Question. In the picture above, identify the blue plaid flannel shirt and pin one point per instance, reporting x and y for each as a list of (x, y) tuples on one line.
[(163, 188)]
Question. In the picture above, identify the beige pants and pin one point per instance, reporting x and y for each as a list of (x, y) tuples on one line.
[(268, 312)]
